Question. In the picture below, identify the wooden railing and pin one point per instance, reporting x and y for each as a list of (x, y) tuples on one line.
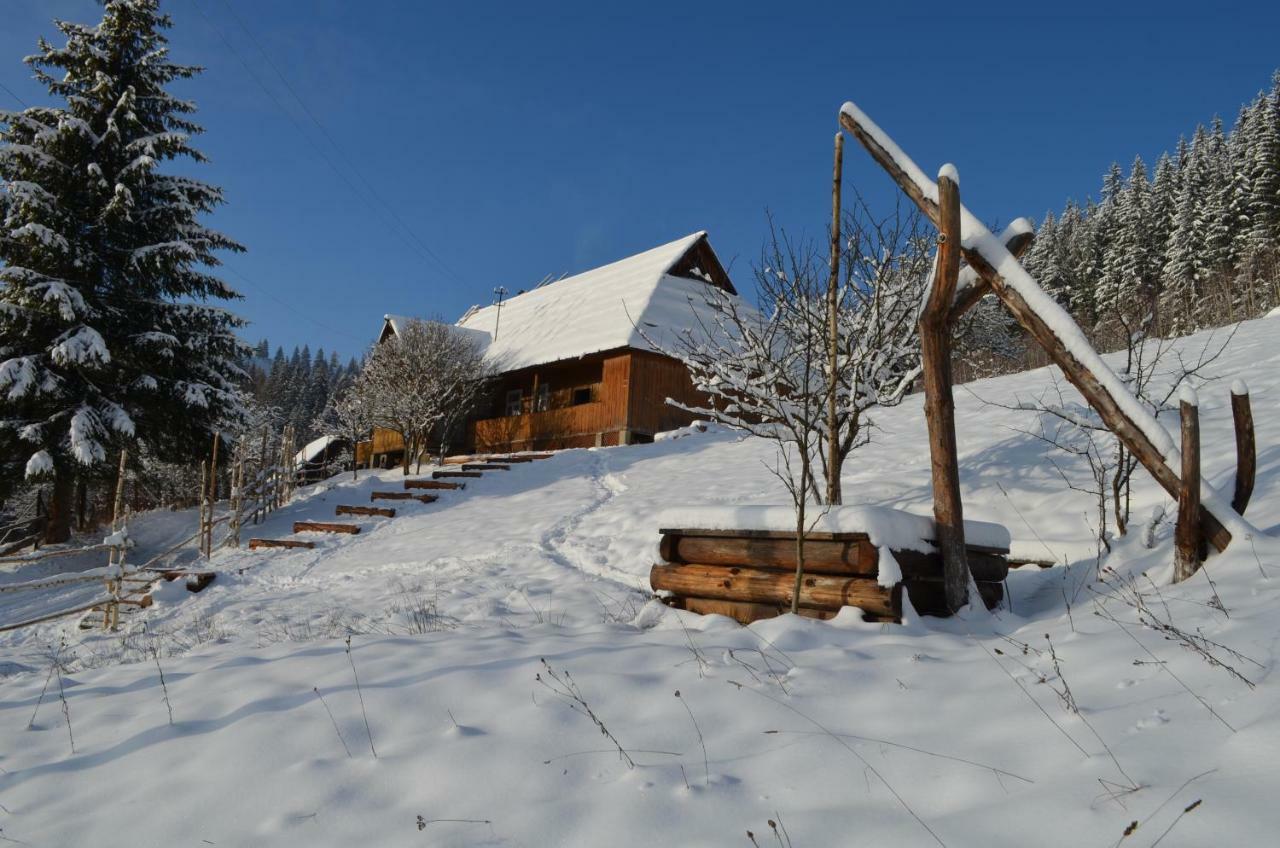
[(551, 424)]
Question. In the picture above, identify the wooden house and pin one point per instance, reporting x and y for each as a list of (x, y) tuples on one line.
[(575, 363)]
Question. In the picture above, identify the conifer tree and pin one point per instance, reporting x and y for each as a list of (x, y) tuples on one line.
[(107, 337)]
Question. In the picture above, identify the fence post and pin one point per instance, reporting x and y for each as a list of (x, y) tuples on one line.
[(1187, 537)]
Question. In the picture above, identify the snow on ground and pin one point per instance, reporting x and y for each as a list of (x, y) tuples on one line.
[(934, 732)]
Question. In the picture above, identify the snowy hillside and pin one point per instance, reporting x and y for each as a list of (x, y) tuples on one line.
[(506, 650)]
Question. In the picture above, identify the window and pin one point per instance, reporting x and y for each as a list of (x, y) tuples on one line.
[(581, 396), (514, 401), (542, 400)]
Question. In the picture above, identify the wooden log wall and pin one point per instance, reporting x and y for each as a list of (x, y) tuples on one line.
[(749, 575)]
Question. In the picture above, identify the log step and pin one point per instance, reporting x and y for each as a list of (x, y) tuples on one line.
[(441, 475), (433, 484), (254, 544), (485, 466), (325, 527), (347, 509), (402, 496), (198, 581)]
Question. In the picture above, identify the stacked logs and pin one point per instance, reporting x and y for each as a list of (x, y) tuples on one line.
[(750, 574)]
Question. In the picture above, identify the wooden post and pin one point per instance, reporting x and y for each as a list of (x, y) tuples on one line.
[(1246, 446), (213, 474), (1187, 538), (204, 490), (834, 494), (939, 407), (111, 611), (1109, 409)]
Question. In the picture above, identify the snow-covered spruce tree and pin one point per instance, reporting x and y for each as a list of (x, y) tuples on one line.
[(106, 336)]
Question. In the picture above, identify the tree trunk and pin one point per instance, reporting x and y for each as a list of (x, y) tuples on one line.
[(58, 527)]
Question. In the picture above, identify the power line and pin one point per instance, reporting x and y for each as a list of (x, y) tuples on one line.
[(421, 247), (341, 152), (24, 103)]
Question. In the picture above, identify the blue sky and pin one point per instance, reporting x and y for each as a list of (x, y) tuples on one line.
[(519, 140)]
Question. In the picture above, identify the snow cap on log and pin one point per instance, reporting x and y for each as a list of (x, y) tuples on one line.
[(1239, 387), (1188, 395), (949, 171)]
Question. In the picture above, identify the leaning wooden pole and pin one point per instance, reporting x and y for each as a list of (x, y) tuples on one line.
[(1187, 539), (834, 494), (1109, 408), (939, 406), (1246, 446)]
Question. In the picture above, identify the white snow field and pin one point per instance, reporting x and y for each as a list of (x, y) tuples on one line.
[(934, 732)]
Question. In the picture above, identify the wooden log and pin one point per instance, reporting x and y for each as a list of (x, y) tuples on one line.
[(254, 544), (347, 509), (856, 557), (198, 581), (1187, 540), (433, 484), (745, 613), (1246, 447), (939, 405), (968, 296), (754, 585), (443, 475), (325, 527), (402, 496), (834, 493), (485, 466), (1107, 407)]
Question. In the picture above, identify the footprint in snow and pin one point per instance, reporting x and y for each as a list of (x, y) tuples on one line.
[(1156, 719)]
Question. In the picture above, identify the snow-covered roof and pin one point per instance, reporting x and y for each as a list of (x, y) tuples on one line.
[(314, 449), (395, 324), (605, 308)]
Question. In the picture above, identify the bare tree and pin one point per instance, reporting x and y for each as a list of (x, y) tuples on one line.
[(418, 379), (765, 371), (350, 413)]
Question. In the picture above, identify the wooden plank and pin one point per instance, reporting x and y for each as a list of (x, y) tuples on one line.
[(445, 475), (433, 484), (1107, 407), (754, 585), (254, 544), (325, 527), (347, 509), (485, 466)]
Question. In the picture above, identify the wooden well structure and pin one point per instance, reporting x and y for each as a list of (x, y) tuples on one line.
[(741, 573), (750, 574)]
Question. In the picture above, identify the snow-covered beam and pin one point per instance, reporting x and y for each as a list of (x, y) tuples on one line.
[(1054, 330)]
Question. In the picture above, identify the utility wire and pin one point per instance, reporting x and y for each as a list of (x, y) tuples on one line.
[(24, 103), (329, 137), (385, 211)]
